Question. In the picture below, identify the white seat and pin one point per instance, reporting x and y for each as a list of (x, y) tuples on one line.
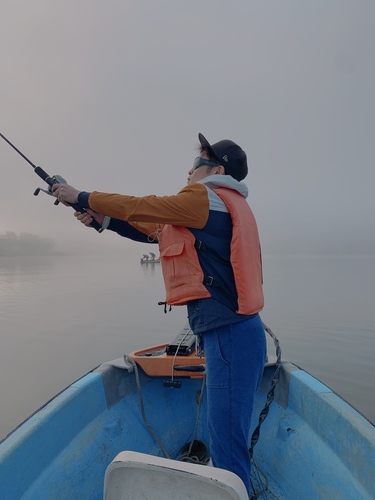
[(136, 476)]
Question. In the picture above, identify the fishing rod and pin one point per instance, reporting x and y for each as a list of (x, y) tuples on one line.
[(55, 179)]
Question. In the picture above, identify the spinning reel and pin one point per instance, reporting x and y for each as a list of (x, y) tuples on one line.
[(57, 180)]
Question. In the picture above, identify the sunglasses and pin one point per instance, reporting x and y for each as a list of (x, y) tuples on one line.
[(199, 161)]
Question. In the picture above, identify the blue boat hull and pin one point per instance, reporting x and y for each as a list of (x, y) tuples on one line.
[(312, 445)]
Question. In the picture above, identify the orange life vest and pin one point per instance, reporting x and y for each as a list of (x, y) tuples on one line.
[(183, 275)]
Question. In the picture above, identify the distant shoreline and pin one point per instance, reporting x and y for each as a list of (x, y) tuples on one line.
[(25, 244)]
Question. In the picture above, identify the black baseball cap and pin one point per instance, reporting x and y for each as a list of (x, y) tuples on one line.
[(228, 154)]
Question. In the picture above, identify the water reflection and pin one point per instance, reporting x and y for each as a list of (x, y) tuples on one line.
[(20, 275), (20, 268)]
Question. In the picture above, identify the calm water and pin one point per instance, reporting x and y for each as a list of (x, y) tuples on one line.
[(62, 316)]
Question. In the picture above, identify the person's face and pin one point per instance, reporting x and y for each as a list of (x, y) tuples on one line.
[(195, 174)]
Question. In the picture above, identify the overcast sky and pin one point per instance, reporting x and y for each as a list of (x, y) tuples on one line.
[(111, 95)]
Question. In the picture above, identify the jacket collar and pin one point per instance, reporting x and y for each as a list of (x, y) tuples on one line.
[(225, 181)]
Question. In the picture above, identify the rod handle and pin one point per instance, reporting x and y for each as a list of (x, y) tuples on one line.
[(50, 181)]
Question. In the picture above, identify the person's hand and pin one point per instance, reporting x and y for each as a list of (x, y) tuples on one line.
[(66, 194), (88, 216)]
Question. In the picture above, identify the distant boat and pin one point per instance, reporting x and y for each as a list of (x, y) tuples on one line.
[(127, 427), (150, 260)]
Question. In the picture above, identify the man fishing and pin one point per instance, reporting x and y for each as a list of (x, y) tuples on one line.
[(211, 262)]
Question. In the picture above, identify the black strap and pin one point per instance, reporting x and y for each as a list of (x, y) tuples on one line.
[(200, 245), (211, 281)]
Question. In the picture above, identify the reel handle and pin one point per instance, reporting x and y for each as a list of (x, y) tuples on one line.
[(51, 181)]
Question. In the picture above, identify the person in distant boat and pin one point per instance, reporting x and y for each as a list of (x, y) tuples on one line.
[(210, 226), (152, 256), (145, 256)]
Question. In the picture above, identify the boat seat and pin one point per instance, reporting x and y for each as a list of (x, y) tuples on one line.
[(135, 476)]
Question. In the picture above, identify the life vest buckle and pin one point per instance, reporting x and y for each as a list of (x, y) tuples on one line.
[(209, 281)]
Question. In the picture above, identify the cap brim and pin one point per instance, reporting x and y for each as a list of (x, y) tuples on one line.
[(204, 142)]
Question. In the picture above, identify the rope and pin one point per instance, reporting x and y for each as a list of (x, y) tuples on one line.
[(270, 394), (152, 432), (255, 477), (187, 457)]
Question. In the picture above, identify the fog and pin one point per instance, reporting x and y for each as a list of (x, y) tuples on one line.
[(111, 95)]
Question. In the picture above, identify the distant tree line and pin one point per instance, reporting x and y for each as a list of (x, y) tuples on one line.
[(25, 244)]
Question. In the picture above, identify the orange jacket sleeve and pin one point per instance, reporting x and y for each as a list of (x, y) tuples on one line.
[(188, 208)]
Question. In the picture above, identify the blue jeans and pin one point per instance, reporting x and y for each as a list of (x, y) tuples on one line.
[(235, 357)]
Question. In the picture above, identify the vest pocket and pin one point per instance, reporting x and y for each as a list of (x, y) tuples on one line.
[(173, 249), (175, 263)]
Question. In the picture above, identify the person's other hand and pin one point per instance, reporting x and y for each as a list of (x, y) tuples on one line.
[(88, 216)]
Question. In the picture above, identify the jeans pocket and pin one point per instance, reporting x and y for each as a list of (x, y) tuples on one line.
[(218, 368), (221, 348)]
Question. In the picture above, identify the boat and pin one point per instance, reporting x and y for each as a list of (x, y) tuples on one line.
[(150, 259), (135, 427)]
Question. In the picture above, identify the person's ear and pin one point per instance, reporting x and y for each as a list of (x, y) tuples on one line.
[(220, 170)]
